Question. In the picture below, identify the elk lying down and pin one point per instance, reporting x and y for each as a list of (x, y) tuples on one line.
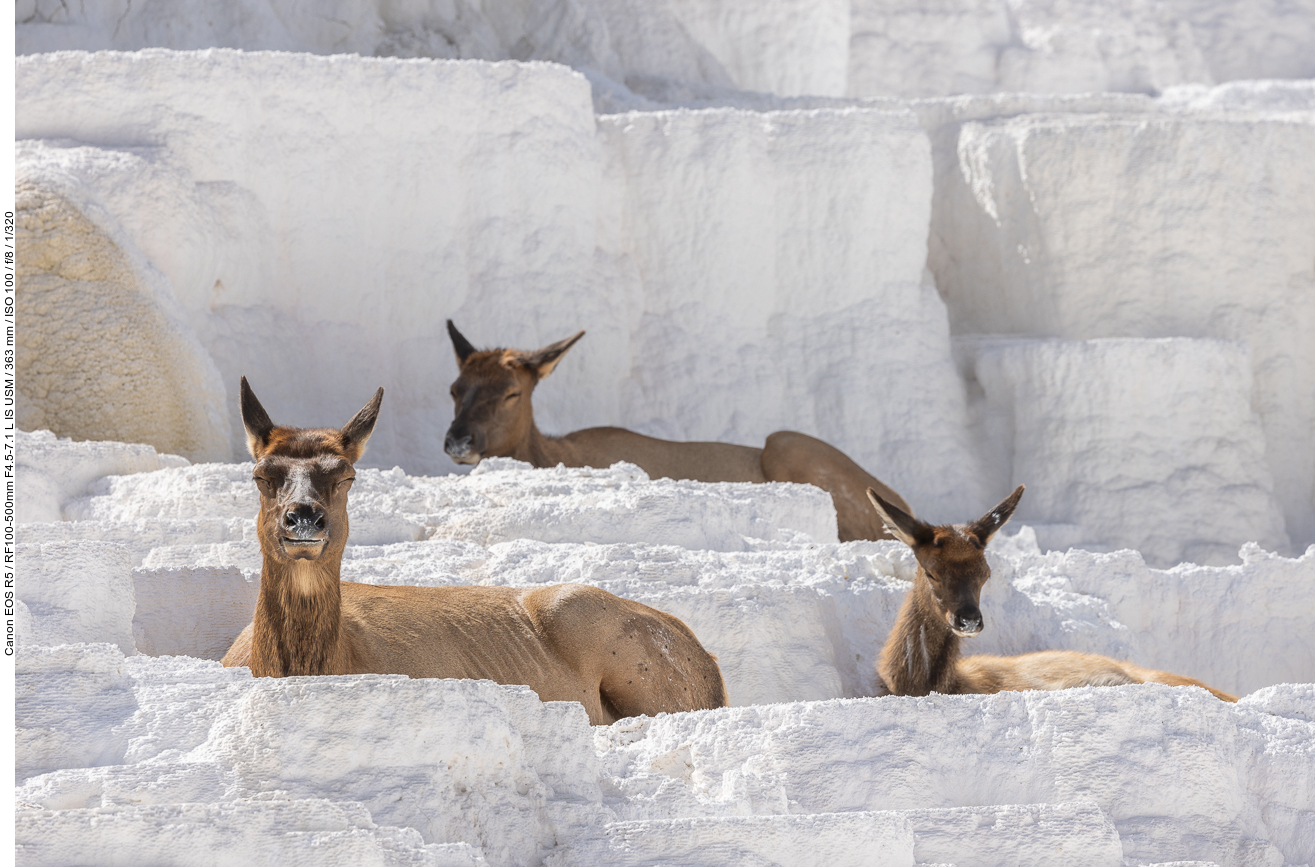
[(921, 655), (494, 418), (568, 642)]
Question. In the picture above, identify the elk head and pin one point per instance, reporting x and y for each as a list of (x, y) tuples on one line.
[(493, 414), (303, 476), (952, 557)]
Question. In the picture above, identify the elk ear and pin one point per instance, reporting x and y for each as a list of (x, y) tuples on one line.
[(900, 523), (542, 361), (459, 343), (255, 420), (356, 433), (984, 527)]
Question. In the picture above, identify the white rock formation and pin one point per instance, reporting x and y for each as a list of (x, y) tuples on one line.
[(790, 48), (76, 592), (1153, 441), (1072, 46), (192, 612), (80, 276), (802, 320), (1103, 295), (150, 746), (52, 471), (250, 215), (235, 834), (950, 751), (862, 48), (739, 271), (1116, 220), (730, 220), (796, 616)]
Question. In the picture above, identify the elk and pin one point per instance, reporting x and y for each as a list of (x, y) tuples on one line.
[(495, 418), (568, 642), (921, 654)]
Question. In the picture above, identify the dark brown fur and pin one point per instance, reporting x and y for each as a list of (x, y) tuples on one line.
[(922, 652)]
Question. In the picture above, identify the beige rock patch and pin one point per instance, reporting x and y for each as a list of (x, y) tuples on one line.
[(98, 359)]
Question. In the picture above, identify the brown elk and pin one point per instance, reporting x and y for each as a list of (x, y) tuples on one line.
[(495, 418), (567, 642), (921, 654)]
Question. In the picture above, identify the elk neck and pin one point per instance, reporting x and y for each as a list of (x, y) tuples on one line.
[(298, 621), (921, 653), (541, 451)]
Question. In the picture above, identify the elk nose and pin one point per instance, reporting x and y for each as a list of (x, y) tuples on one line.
[(457, 447), (304, 520), (968, 622)]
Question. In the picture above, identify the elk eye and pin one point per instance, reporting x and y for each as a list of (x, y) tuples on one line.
[(347, 482), (453, 391), (513, 395), (264, 485)]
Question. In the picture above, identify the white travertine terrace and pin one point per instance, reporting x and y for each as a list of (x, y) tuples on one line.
[(973, 243)]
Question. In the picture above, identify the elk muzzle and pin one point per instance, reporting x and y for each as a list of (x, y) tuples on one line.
[(460, 446), (303, 529), (966, 621)]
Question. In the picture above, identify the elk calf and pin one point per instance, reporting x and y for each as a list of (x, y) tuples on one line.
[(568, 642), (921, 654)]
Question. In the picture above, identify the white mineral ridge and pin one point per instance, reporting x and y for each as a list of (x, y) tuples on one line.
[(1108, 216), (647, 50), (824, 269), (603, 261), (973, 243), (1128, 436), (619, 42), (52, 471), (235, 834), (132, 739), (1189, 750), (502, 499), (796, 616), (76, 592), (1163, 772), (260, 256), (982, 46), (790, 47)]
